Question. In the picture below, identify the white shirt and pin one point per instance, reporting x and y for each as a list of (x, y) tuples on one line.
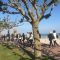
[(31, 37), (28, 35), (54, 34)]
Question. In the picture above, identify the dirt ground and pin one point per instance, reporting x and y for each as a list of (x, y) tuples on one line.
[(51, 51)]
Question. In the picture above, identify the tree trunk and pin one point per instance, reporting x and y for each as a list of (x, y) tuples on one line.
[(37, 44)]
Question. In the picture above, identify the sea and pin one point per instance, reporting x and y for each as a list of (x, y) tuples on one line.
[(46, 35)]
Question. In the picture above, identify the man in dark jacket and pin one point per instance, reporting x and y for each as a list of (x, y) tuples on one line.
[(50, 36), (23, 35)]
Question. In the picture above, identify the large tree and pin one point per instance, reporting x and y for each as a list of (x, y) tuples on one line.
[(33, 11)]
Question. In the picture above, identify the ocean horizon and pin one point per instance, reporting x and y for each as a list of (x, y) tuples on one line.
[(46, 35)]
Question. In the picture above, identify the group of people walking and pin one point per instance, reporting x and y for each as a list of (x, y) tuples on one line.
[(25, 40), (28, 38), (53, 38), (19, 39)]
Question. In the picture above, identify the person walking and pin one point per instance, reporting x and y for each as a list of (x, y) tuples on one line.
[(23, 36), (31, 39), (55, 38), (50, 36), (27, 37)]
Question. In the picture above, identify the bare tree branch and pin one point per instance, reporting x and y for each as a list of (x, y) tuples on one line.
[(15, 6), (44, 8), (29, 13), (11, 12), (18, 8), (35, 7), (51, 2)]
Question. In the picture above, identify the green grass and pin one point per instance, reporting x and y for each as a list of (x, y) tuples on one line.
[(14, 54), (6, 54)]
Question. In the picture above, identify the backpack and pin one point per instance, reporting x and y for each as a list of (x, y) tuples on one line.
[(57, 36)]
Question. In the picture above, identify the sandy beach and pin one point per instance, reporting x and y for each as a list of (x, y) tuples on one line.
[(46, 40)]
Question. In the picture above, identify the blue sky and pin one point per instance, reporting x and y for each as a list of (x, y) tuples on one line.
[(46, 25), (52, 22)]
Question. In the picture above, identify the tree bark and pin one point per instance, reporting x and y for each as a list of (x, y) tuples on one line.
[(37, 44)]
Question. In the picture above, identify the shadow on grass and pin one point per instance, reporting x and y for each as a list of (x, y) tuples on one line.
[(22, 57), (46, 57), (30, 54)]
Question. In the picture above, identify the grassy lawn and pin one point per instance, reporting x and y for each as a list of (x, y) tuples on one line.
[(6, 54), (15, 54)]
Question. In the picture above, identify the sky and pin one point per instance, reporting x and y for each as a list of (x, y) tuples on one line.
[(45, 26), (52, 23)]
